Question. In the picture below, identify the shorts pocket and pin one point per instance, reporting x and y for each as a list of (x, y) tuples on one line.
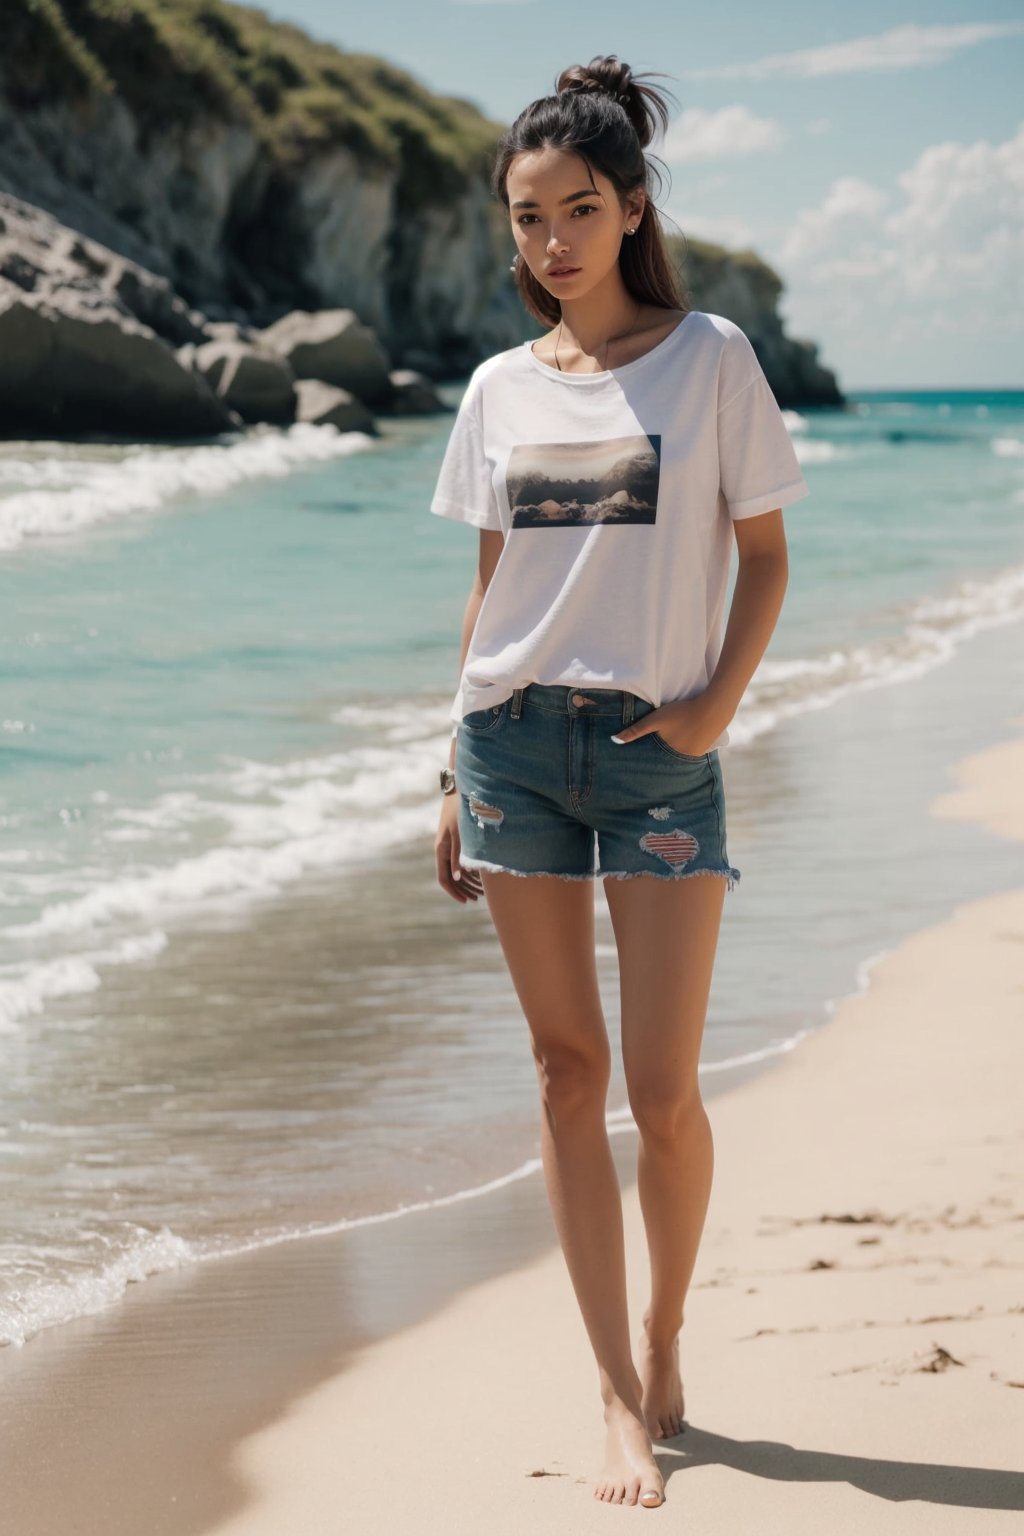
[(479, 720), (645, 707), (684, 757)]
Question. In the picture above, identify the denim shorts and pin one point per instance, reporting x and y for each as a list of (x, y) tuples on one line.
[(540, 782)]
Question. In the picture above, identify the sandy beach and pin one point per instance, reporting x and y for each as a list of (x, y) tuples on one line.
[(852, 1354)]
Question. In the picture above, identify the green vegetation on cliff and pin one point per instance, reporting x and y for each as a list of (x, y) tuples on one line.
[(176, 62), (173, 61)]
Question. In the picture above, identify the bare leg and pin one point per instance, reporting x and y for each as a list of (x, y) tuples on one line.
[(666, 933), (546, 930)]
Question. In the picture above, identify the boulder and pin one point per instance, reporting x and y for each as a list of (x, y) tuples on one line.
[(230, 330), (335, 346), (413, 395), (73, 362), (253, 381), (327, 405), (148, 297), (19, 269)]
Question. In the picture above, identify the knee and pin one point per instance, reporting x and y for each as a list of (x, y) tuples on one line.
[(572, 1078), (666, 1112)]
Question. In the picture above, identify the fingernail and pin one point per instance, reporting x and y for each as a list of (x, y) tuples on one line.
[(457, 874), (619, 741)]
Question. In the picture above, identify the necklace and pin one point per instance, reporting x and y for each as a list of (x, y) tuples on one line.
[(607, 342)]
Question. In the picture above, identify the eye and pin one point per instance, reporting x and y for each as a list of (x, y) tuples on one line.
[(580, 208)]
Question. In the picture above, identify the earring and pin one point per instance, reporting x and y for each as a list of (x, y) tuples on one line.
[(630, 231), (512, 263)]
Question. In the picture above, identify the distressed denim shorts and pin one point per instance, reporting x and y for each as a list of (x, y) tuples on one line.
[(540, 783)]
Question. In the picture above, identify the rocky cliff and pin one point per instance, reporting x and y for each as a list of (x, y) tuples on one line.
[(255, 171)]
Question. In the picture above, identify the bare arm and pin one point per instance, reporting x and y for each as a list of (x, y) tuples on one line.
[(464, 884), (761, 583)]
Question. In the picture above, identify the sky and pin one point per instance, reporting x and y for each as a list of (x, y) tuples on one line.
[(873, 155)]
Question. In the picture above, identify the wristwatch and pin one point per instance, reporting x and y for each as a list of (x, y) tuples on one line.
[(447, 781)]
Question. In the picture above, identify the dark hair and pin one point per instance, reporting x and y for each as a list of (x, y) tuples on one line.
[(602, 113)]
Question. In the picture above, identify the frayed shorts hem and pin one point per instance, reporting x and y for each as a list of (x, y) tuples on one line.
[(731, 875)]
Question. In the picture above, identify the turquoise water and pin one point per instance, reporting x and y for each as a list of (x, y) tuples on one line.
[(233, 1003)]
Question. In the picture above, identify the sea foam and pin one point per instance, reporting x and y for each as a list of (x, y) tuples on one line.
[(76, 489)]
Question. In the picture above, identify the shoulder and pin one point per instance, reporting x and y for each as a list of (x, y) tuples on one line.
[(718, 331), (718, 341), (491, 371), (719, 324), (738, 363), (497, 364)]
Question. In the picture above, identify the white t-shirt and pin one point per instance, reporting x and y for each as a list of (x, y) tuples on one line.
[(615, 492)]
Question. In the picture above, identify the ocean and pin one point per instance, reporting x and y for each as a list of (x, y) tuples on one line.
[(235, 1006)]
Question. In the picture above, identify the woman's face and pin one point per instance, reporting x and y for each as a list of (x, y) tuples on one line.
[(566, 223)]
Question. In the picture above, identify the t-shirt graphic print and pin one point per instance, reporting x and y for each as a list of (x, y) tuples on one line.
[(637, 475), (566, 485)]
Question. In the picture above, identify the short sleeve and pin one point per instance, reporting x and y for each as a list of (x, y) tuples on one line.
[(758, 466), (464, 487)]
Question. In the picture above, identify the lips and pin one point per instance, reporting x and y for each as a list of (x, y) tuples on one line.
[(562, 271)]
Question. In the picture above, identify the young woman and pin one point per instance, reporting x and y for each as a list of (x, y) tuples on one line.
[(609, 467)]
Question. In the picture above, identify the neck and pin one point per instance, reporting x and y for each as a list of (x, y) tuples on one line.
[(607, 310)]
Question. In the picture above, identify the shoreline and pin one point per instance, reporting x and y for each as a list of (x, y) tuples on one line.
[(508, 1356)]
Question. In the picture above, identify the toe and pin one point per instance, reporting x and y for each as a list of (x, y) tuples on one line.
[(651, 1497)]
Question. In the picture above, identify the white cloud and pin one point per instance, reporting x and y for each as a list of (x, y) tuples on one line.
[(909, 47), (728, 133), (962, 223), (849, 208), (953, 231)]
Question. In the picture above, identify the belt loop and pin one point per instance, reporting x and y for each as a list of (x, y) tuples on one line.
[(517, 703), (628, 708)]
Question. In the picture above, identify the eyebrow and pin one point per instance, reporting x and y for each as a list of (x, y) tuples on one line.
[(587, 192)]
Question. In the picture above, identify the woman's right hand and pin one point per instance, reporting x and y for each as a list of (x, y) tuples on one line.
[(461, 884)]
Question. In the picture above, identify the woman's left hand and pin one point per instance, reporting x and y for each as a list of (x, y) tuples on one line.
[(688, 725)]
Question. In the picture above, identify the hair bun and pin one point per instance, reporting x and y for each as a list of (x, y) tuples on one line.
[(607, 75)]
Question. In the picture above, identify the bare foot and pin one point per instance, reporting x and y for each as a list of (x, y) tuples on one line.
[(630, 1473), (662, 1400)]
